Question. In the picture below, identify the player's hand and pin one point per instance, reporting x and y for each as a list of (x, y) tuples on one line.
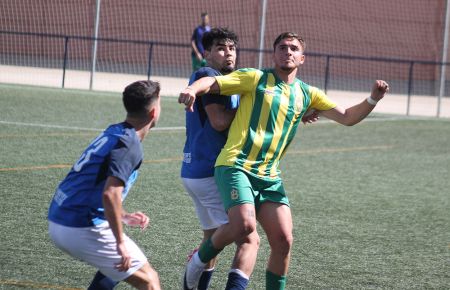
[(187, 97), (379, 88), (136, 219), (310, 116), (125, 263)]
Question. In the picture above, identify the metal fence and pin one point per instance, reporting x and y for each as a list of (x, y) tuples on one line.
[(327, 71)]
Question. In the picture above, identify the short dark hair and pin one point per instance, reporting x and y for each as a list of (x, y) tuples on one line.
[(204, 13), (217, 34), (139, 96), (285, 35)]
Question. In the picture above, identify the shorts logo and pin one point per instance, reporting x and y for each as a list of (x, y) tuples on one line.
[(234, 194)]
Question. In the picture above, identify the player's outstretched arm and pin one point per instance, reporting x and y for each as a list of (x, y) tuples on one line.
[(357, 113), (199, 87)]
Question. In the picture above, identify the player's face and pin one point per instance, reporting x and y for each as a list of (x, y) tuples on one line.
[(288, 54), (222, 56), (205, 20)]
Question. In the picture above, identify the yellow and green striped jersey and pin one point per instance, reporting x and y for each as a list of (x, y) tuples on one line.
[(266, 120)]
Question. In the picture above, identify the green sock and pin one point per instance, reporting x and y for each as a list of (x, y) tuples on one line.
[(275, 282), (207, 251)]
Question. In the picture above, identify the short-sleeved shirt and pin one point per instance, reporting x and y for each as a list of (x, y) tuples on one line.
[(266, 120), (197, 36), (203, 142), (116, 152)]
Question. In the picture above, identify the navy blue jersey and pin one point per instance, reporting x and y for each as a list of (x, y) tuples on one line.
[(203, 142), (116, 152)]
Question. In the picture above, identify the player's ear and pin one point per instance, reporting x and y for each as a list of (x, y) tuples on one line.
[(302, 59), (152, 113)]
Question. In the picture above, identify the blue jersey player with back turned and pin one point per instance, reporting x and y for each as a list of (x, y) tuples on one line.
[(86, 214)]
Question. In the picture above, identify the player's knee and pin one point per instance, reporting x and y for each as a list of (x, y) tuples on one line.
[(146, 279), (151, 282), (252, 239), (153, 279), (243, 230), (248, 228), (282, 244)]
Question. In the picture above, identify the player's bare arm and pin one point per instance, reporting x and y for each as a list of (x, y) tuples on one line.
[(219, 117), (199, 87), (197, 53), (112, 202), (357, 113)]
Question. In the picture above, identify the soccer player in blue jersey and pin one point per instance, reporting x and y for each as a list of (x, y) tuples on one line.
[(86, 214), (206, 134), (272, 104)]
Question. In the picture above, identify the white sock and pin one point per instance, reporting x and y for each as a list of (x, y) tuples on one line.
[(196, 260)]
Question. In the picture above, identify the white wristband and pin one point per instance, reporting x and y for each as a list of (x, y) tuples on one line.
[(371, 101)]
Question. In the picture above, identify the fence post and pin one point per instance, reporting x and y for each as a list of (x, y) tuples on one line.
[(94, 46), (410, 84), (149, 66), (262, 30), (66, 41), (444, 58), (327, 73)]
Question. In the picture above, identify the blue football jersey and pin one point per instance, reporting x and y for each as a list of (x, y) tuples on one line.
[(203, 142), (116, 152)]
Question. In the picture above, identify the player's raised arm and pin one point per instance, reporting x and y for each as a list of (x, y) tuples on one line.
[(357, 113), (199, 87)]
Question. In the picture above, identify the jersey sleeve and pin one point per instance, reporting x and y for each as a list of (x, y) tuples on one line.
[(320, 101), (208, 98), (125, 158), (202, 72), (240, 82)]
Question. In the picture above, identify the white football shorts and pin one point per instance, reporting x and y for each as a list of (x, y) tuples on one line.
[(96, 246), (207, 201)]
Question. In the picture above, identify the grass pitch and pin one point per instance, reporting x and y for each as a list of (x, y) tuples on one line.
[(370, 203)]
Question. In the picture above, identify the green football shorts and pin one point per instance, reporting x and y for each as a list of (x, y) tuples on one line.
[(239, 187)]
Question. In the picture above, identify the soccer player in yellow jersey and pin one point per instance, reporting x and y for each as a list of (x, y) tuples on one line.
[(273, 102)]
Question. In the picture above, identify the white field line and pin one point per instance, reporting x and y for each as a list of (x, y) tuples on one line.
[(322, 121), (79, 128)]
